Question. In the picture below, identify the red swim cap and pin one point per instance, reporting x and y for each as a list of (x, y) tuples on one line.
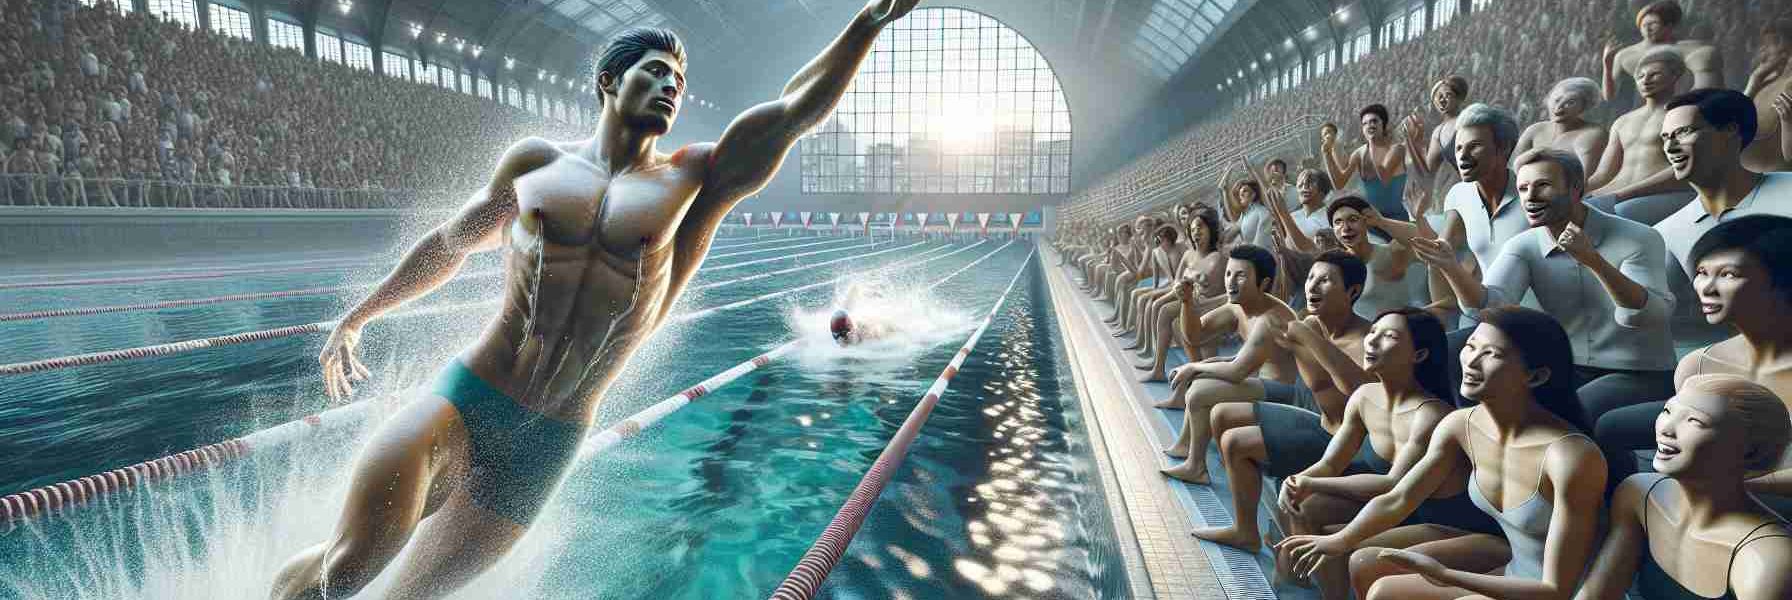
[(840, 325)]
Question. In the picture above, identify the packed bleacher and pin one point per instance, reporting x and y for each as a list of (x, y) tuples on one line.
[(88, 93), (1556, 373)]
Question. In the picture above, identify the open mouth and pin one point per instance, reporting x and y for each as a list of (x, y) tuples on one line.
[(1474, 379), (1679, 160), (1536, 210), (1370, 357), (1711, 308), (1666, 451), (665, 103), (1315, 299)]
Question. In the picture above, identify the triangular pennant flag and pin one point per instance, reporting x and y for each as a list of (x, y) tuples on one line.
[(777, 219), (807, 217), (834, 220), (749, 217), (952, 221), (983, 223), (1014, 219), (921, 220), (865, 219)]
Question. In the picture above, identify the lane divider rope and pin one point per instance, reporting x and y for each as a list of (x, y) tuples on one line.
[(813, 568), (778, 249), (800, 268), (58, 498), (762, 261)]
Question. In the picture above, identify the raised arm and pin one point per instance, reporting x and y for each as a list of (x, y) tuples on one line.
[(1610, 69), (1615, 566)]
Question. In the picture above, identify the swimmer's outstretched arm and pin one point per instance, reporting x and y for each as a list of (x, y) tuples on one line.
[(755, 144), (432, 261)]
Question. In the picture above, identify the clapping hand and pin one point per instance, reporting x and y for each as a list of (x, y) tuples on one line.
[(1311, 551), (1575, 242), (1434, 252), (1417, 201)]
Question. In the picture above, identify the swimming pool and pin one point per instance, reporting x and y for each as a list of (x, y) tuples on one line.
[(998, 498)]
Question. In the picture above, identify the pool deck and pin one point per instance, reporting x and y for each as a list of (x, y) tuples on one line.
[(1152, 513)]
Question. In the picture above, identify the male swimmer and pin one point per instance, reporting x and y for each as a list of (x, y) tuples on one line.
[(847, 330), (599, 236)]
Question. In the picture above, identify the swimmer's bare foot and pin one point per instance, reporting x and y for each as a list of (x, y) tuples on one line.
[(1172, 403), (1186, 474), (1177, 452), (1231, 537), (1152, 377)]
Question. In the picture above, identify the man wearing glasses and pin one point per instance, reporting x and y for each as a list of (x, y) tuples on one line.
[(1702, 136), (1634, 180)]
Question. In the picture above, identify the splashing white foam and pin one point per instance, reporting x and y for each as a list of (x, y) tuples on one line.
[(913, 318)]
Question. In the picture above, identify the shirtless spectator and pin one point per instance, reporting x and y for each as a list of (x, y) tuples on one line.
[(1770, 87), (1658, 22), (1633, 180), (1566, 127)]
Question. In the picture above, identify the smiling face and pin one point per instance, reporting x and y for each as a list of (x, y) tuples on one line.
[(1491, 366), (1732, 282), (1245, 193), (648, 94), (1693, 435), (1308, 188), (1202, 236), (1547, 197), (1388, 347), (1477, 156), (1565, 107), (1276, 172), (1654, 29), (1697, 151)]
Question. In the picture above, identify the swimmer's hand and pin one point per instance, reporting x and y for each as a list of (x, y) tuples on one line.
[(340, 367), (885, 12)]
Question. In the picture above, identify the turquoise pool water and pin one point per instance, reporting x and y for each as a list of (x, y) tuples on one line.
[(998, 498)]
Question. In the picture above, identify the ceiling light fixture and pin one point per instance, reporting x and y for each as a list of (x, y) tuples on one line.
[(416, 29), (509, 63), (344, 6)]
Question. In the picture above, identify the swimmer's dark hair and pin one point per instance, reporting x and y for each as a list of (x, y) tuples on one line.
[(1457, 85), (1277, 161), (629, 46), (1249, 183), (1542, 343), (1211, 218), (1167, 232), (1767, 238), (1262, 261), (1722, 108), (1356, 274), (1433, 373)]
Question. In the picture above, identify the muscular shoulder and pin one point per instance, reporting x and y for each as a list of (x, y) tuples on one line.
[(1760, 567), (1574, 459), (694, 156), (528, 154)]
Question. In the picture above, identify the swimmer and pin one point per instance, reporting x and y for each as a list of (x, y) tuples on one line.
[(599, 237), (847, 330)]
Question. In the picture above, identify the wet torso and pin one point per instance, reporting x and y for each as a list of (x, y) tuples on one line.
[(1640, 133), (589, 263)]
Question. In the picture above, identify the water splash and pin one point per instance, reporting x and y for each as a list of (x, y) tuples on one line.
[(916, 321)]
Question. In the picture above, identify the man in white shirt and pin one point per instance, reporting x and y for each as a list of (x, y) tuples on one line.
[(1602, 276)]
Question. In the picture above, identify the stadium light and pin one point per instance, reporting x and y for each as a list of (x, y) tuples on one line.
[(416, 29), (1253, 65), (1288, 43), (441, 37), (509, 63), (344, 6), (459, 44), (478, 50), (1344, 15)]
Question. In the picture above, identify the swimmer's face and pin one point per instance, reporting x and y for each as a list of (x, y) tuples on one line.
[(1326, 288), (1241, 280), (649, 93), (1308, 188), (1476, 154), (1389, 344)]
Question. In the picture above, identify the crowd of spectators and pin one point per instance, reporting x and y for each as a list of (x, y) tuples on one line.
[(1511, 55), (86, 92)]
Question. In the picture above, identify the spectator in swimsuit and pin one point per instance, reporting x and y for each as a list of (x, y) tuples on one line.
[(1691, 524), (1529, 465)]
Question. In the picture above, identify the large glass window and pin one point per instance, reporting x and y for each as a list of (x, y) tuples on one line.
[(1446, 11), (282, 34), (1175, 29), (1363, 45), (357, 55), (329, 47), (230, 21), (177, 11), (397, 65), (123, 6), (485, 88), (950, 101), (466, 83), (448, 77)]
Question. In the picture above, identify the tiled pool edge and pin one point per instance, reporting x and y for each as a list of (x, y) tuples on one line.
[(1153, 527)]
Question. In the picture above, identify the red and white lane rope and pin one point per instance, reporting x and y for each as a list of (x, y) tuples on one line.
[(55, 499), (755, 243), (805, 580), (158, 350)]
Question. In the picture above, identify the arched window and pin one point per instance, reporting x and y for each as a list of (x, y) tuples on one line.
[(950, 101)]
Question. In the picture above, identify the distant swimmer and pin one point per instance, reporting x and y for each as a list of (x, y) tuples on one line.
[(599, 237), (848, 330)]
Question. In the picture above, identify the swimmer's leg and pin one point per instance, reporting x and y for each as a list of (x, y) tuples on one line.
[(452, 548), (389, 492)]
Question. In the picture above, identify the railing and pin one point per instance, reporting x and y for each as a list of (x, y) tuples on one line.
[(1106, 204), (52, 191)]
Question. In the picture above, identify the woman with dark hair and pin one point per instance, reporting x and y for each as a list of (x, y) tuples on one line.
[(1381, 162), (1387, 425), (1692, 525), (1165, 263), (1529, 467), (1204, 265), (1743, 277)]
